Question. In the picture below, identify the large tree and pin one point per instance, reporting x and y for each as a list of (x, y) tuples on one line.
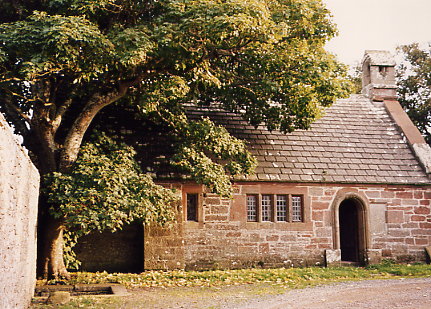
[(414, 86), (63, 61)]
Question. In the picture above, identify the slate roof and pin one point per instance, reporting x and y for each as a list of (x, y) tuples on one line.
[(356, 141)]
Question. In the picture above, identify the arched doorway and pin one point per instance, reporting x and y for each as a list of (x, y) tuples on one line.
[(352, 230)]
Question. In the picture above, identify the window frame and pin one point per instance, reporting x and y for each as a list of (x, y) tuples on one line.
[(192, 189), (256, 212), (286, 211), (196, 206), (267, 212), (273, 211), (301, 209)]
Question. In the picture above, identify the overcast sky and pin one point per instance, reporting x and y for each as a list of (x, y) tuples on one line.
[(377, 24)]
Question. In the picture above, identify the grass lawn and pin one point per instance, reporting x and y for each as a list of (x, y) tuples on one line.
[(177, 283)]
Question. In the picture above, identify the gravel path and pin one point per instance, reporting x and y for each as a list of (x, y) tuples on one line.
[(393, 293), (401, 293)]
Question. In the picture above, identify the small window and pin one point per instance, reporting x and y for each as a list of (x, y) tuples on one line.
[(275, 208), (281, 203), (192, 207), (266, 208), (297, 208), (251, 208)]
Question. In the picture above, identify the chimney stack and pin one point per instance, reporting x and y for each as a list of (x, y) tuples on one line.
[(378, 84), (378, 75)]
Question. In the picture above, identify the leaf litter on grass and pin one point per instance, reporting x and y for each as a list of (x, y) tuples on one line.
[(291, 277)]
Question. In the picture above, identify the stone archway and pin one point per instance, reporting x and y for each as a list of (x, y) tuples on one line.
[(351, 236)]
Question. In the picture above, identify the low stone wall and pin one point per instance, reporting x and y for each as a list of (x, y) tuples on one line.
[(19, 190)]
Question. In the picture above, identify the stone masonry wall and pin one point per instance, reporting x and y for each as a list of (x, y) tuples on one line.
[(120, 251), (19, 189), (164, 246), (397, 225)]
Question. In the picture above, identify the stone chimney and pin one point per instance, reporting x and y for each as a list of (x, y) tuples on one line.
[(378, 75), (378, 84)]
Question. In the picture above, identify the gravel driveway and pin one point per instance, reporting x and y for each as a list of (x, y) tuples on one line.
[(404, 293), (393, 293)]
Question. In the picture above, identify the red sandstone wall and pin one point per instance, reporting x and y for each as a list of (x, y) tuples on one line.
[(164, 246), (408, 221), (398, 225)]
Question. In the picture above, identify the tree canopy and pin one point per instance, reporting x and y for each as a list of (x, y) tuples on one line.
[(62, 61), (107, 189), (414, 86)]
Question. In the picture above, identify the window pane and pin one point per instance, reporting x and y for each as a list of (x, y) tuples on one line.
[(266, 208), (192, 207), (296, 208), (281, 207), (251, 208)]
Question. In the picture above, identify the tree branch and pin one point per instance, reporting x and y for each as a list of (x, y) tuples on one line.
[(15, 115), (17, 110), (45, 136), (56, 121), (75, 136)]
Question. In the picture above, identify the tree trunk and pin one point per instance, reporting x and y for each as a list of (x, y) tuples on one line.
[(50, 229), (50, 264), (50, 248)]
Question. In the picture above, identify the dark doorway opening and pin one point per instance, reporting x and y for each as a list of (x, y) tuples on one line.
[(122, 251), (351, 231)]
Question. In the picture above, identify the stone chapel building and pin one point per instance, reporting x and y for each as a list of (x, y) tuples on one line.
[(355, 187)]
